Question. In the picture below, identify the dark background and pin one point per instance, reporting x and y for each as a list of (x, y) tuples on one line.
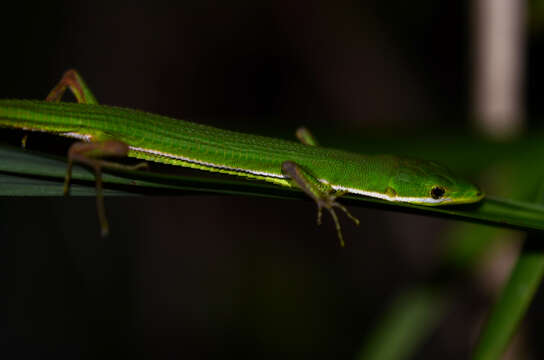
[(202, 276)]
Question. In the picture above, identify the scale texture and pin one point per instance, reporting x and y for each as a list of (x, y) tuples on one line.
[(172, 141)]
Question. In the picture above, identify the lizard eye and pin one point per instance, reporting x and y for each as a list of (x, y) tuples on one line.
[(437, 192)]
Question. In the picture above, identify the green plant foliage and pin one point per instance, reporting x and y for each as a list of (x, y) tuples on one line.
[(27, 173), (512, 304), (408, 322)]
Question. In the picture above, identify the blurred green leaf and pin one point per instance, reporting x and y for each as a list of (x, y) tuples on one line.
[(516, 297), (511, 306), (409, 320)]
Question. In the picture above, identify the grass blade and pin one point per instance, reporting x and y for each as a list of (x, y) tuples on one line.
[(27, 173), (513, 302)]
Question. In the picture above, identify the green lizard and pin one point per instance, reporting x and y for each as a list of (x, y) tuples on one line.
[(324, 174)]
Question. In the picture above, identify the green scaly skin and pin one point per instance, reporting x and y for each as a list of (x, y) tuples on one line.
[(162, 139), (323, 174)]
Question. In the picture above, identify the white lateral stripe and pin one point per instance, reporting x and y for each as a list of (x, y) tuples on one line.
[(209, 164), (277, 176), (67, 134), (427, 200), (407, 199), (77, 136)]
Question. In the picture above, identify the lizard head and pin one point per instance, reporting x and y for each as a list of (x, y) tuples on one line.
[(429, 183)]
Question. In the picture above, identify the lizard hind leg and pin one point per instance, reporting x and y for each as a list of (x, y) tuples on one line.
[(90, 154), (73, 81)]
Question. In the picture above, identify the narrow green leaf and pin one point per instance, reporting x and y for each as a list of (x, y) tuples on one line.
[(408, 321), (514, 300), (44, 170), (516, 297)]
